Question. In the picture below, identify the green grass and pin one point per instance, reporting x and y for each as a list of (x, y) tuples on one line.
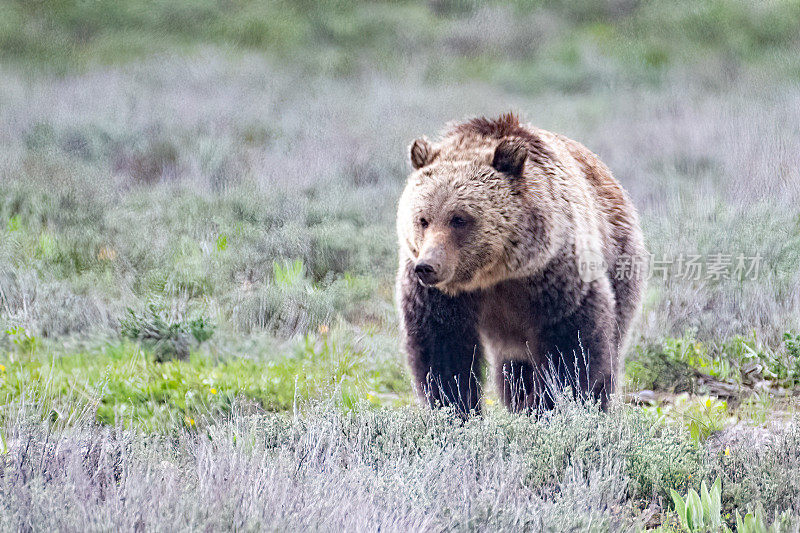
[(122, 383)]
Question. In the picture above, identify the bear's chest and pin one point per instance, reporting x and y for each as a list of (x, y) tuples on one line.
[(509, 324), (516, 313)]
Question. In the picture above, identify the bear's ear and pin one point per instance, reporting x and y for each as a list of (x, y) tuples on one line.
[(421, 153), (509, 157)]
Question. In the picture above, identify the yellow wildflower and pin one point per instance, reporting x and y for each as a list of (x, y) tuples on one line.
[(727, 450), (2, 368), (213, 390), (189, 421)]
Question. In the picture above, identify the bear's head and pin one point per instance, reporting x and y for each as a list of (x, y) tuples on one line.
[(462, 219)]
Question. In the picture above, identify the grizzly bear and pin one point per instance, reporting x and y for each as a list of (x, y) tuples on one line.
[(518, 246)]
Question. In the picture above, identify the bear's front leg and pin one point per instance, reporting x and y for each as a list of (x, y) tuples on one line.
[(582, 348), (442, 342)]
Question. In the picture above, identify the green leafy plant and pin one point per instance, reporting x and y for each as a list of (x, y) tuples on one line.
[(701, 416), (13, 223), (697, 355), (792, 343), (201, 329), (167, 340), (754, 522), (788, 368), (288, 274), (222, 243), (706, 416), (25, 342), (700, 512)]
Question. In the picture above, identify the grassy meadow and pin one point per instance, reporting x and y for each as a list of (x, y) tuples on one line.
[(197, 253)]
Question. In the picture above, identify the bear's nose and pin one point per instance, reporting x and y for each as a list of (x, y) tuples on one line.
[(426, 273)]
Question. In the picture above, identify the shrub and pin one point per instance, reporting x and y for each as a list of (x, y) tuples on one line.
[(167, 340)]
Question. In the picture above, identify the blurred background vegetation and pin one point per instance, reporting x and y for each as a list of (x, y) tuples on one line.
[(448, 37)]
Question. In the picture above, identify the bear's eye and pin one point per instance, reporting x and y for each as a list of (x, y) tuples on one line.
[(458, 222), (423, 222)]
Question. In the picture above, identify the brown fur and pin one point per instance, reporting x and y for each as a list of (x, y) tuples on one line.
[(504, 235)]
